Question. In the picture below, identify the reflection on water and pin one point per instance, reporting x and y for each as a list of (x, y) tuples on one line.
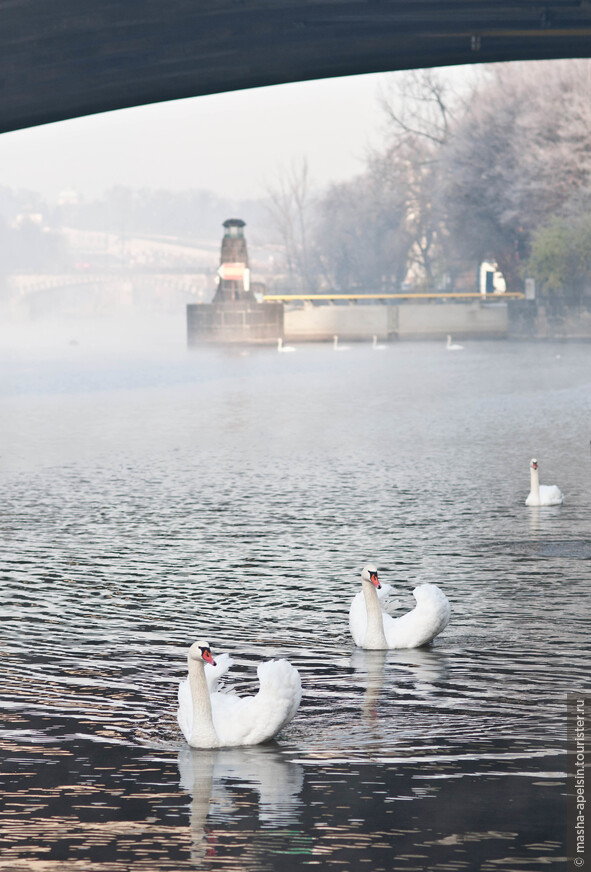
[(426, 667), (148, 500), (218, 780)]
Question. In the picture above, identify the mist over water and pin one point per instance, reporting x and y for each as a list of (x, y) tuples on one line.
[(151, 496)]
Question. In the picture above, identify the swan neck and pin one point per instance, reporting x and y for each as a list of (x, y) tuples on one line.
[(374, 635), (534, 476), (203, 734)]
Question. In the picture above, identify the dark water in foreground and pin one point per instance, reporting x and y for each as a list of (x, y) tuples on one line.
[(151, 499)]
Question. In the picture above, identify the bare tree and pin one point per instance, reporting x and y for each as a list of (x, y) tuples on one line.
[(376, 227), (361, 233), (420, 107), (519, 155), (291, 204)]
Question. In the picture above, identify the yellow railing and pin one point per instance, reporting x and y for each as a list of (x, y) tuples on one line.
[(289, 298)]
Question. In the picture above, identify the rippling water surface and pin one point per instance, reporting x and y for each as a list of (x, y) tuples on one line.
[(153, 497)]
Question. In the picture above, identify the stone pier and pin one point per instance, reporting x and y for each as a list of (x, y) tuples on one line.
[(239, 322)]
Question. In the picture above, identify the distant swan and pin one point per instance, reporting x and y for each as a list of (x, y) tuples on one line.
[(371, 627), (541, 494), (337, 347), (284, 348), (210, 719), (452, 346), (377, 347)]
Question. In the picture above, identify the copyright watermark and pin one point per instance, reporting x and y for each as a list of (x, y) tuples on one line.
[(578, 712)]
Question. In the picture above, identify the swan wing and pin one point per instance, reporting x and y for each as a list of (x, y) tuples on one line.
[(386, 601), (384, 592), (281, 691), (358, 619), (254, 719), (214, 673), (419, 626), (550, 495)]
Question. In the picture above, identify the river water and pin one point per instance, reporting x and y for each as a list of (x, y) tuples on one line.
[(152, 496)]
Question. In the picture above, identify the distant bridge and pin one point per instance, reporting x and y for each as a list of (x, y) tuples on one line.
[(77, 57), (29, 283), (97, 293)]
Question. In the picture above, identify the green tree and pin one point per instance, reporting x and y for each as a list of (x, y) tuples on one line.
[(560, 259)]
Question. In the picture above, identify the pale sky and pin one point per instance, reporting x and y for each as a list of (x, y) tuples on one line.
[(233, 144)]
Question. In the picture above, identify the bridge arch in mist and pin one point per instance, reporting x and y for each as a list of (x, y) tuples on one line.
[(79, 57)]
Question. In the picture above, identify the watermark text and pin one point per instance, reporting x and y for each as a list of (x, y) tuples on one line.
[(578, 712)]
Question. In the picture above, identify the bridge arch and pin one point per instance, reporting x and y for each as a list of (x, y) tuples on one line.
[(80, 57)]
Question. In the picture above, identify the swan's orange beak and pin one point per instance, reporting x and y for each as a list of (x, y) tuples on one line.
[(374, 580), (207, 656)]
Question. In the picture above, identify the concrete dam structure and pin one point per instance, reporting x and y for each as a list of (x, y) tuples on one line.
[(241, 311), (407, 320)]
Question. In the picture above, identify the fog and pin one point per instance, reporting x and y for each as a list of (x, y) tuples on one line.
[(145, 190), (154, 495), (227, 143)]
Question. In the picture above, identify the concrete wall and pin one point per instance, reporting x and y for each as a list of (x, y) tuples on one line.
[(234, 322), (462, 320), (319, 323), (554, 318), (404, 321)]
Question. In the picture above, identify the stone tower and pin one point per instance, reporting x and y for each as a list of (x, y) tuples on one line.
[(234, 271), (235, 315)]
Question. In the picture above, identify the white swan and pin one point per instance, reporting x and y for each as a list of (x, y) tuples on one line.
[(284, 348), (453, 346), (337, 347), (375, 345), (371, 627), (541, 494), (209, 719)]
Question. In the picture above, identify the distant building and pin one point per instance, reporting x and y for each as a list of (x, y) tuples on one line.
[(24, 218), (491, 280), (68, 197)]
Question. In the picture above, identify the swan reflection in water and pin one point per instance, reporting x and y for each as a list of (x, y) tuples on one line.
[(543, 519), (425, 666), (215, 777)]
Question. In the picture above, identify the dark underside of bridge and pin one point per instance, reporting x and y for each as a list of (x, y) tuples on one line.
[(68, 58)]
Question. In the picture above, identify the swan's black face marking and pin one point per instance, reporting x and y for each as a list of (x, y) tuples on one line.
[(373, 577), (534, 464)]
